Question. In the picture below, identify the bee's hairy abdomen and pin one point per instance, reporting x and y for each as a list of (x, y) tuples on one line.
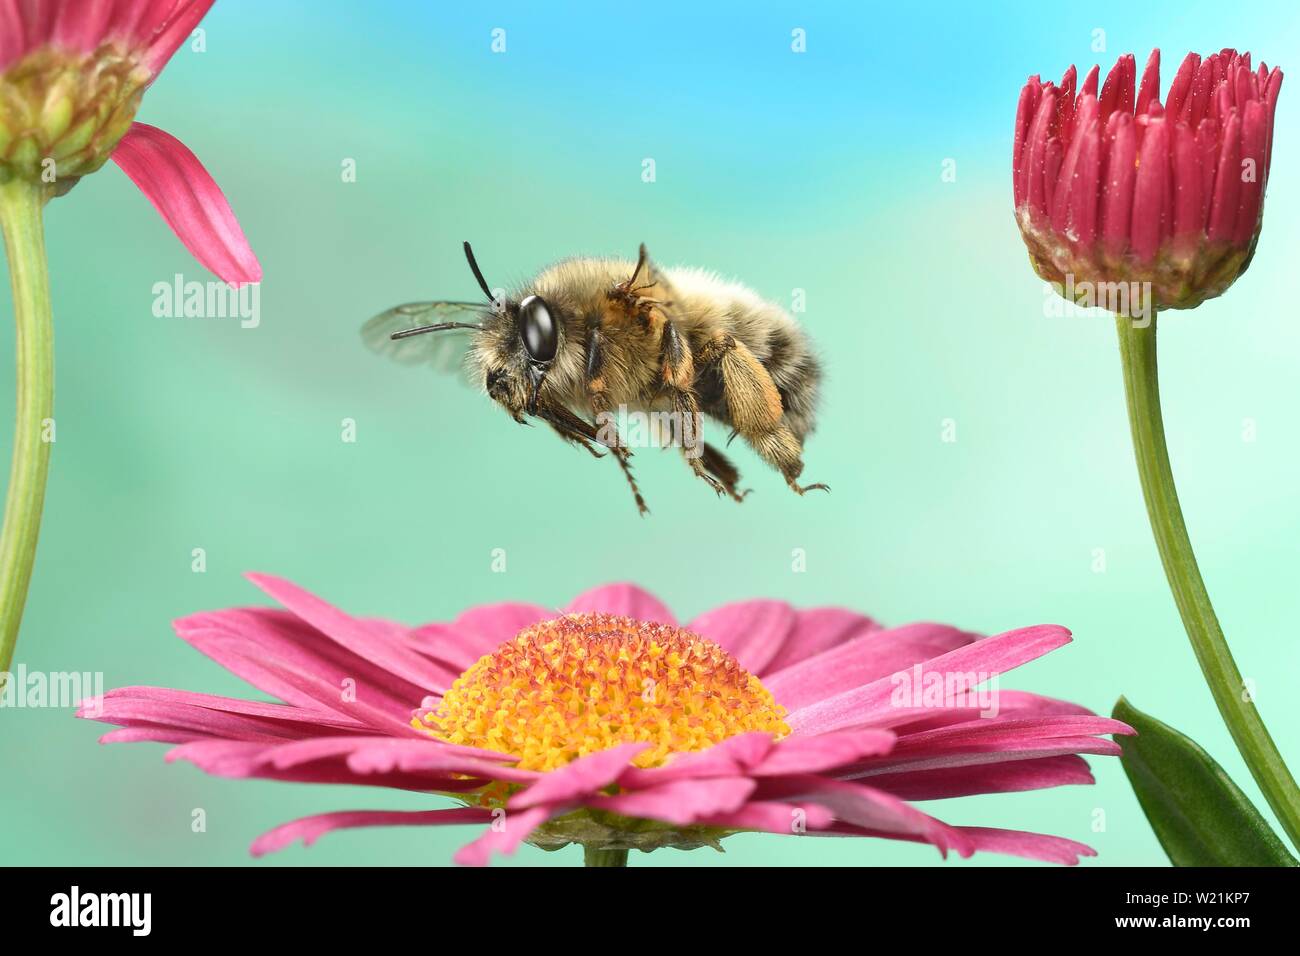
[(712, 306)]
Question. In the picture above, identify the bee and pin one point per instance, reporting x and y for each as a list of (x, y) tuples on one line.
[(590, 338)]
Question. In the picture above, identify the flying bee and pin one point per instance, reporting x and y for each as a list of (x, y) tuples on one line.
[(588, 339)]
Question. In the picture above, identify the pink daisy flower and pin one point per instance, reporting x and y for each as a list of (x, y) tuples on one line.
[(1117, 187), (72, 75), (608, 724)]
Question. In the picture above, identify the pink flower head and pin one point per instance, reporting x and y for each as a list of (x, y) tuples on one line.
[(552, 727), (1116, 187), (72, 75)]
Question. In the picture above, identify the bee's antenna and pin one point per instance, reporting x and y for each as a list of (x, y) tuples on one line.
[(478, 273)]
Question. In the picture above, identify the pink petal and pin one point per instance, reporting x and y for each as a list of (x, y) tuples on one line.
[(735, 756), (450, 646), (1225, 200), (680, 802), (1085, 192), (1026, 109), (1033, 846), (1151, 191), (355, 635), (1054, 183), (168, 33), (751, 631), (1117, 188), (987, 741), (1039, 133), (426, 763), (985, 752), (1128, 86), (1065, 111), (1009, 703), (70, 25), (770, 816), (1003, 729), (1009, 776), (1182, 84), (1090, 81), (189, 200), (478, 631), (824, 752), (154, 735), (1274, 86), (624, 600), (579, 779), (310, 829), (859, 661), (872, 703), (508, 830), (382, 754), (1187, 200), (1207, 149), (816, 630), (244, 759), (869, 808), (497, 623), (1150, 88), (280, 654), (151, 28), (1199, 96), (363, 754), (208, 716), (1068, 180), (1254, 136), (1112, 90)]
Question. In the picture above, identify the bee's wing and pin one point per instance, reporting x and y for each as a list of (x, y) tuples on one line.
[(444, 350)]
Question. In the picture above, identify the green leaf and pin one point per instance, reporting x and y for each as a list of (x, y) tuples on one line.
[(1199, 815)]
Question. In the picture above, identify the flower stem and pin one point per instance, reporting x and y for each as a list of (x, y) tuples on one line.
[(593, 856), (21, 203), (1141, 384)]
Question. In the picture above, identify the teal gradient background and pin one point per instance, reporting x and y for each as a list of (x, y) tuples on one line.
[(819, 171)]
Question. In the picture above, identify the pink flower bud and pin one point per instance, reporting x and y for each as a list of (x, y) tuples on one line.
[(1114, 187)]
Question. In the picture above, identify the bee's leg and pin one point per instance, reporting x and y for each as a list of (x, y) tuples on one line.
[(575, 429), (576, 439), (755, 406), (720, 467), (678, 374), (602, 409)]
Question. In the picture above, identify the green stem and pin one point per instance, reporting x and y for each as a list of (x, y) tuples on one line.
[(21, 203), (592, 856), (1138, 352)]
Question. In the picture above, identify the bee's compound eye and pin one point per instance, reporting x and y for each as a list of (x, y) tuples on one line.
[(538, 328)]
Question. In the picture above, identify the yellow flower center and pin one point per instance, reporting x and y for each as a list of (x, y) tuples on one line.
[(582, 683)]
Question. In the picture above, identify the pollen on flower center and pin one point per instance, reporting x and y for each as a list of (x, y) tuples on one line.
[(578, 684)]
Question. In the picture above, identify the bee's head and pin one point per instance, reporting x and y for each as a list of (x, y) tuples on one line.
[(519, 346)]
